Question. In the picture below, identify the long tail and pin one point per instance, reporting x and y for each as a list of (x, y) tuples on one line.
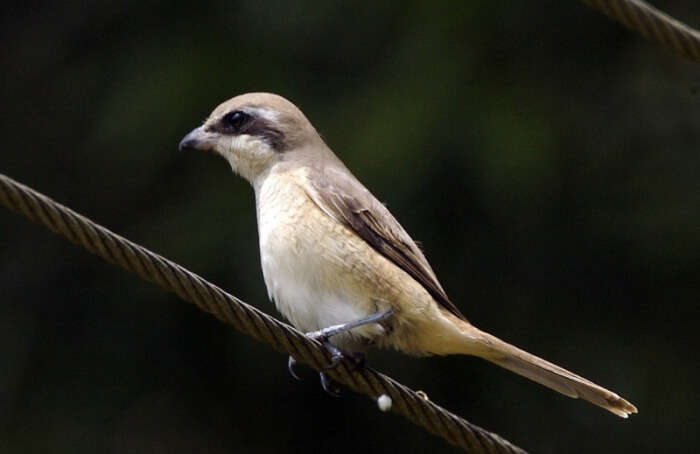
[(550, 375)]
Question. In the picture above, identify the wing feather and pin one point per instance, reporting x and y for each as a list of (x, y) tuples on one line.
[(344, 198)]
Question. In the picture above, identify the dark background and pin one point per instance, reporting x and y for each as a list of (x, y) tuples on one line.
[(546, 158)]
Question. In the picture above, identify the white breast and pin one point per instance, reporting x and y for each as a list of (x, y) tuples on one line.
[(305, 259)]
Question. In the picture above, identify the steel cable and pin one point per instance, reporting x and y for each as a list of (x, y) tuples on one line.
[(655, 25), (245, 318)]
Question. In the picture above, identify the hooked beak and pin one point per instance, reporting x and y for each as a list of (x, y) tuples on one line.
[(199, 140)]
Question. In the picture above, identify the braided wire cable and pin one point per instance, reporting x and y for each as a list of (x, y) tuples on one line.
[(245, 318), (653, 24)]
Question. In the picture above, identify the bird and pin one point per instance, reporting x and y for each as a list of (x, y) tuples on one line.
[(335, 261)]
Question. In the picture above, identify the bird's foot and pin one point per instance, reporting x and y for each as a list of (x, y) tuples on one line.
[(334, 352), (328, 385), (291, 362), (336, 356)]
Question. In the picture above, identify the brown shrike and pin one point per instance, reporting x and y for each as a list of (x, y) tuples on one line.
[(337, 264)]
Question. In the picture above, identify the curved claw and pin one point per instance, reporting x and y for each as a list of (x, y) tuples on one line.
[(290, 366), (328, 385)]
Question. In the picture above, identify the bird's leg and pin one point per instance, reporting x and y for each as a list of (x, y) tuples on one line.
[(323, 336), (333, 330)]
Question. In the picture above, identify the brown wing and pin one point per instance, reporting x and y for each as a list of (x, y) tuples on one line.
[(344, 198)]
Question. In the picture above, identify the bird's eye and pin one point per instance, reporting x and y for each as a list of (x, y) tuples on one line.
[(235, 120)]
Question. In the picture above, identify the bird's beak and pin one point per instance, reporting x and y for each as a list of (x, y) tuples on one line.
[(199, 140)]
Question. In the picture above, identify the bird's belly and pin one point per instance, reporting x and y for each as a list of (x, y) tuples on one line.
[(311, 307), (312, 265)]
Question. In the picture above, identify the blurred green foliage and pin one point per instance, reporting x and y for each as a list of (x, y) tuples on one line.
[(546, 158)]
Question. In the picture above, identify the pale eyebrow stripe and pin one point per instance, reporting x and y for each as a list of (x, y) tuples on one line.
[(264, 113)]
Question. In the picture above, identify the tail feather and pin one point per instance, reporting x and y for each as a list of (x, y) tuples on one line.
[(550, 375)]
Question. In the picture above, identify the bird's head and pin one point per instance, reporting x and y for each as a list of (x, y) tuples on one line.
[(253, 132)]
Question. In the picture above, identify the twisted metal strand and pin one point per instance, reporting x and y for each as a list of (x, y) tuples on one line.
[(245, 318), (653, 24)]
